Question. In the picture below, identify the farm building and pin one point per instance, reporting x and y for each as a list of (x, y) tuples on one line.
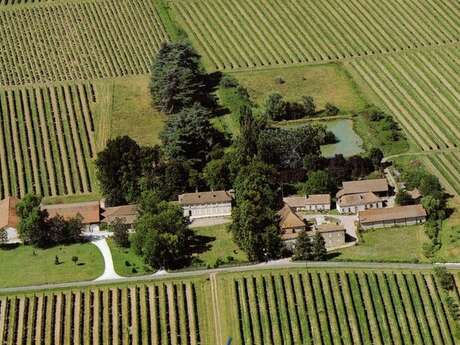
[(90, 213), (126, 212), (314, 202), (361, 195), (352, 203), (206, 204), (393, 216), (333, 234), (290, 225), (8, 217)]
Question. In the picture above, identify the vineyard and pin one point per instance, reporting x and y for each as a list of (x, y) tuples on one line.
[(328, 307), (161, 313), (60, 41), (257, 307), (47, 138), (421, 89), (234, 34)]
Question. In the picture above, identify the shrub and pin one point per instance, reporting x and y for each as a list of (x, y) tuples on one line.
[(453, 308), (445, 278), (127, 263), (309, 105), (276, 108), (134, 270), (227, 82), (279, 80), (331, 109), (3, 235)]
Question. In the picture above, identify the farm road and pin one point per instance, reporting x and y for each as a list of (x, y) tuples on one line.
[(262, 266)]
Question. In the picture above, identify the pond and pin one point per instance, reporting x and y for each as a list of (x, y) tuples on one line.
[(349, 143)]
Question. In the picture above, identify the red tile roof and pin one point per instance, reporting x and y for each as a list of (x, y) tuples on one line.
[(8, 216)]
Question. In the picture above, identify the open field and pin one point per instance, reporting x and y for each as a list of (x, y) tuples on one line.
[(379, 245), (47, 138), (269, 307), (234, 34), (58, 41), (26, 265), (132, 111)]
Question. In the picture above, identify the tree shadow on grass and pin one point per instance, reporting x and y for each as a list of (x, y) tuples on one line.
[(200, 244), (9, 246)]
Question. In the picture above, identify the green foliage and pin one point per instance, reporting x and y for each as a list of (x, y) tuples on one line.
[(319, 252), (190, 136), (75, 259), (330, 109), (445, 278), (3, 235), (453, 308), (318, 182), (217, 174), (303, 249), (376, 156), (119, 167), (162, 236), (61, 231), (177, 80), (276, 108), (255, 221), (120, 232), (228, 81), (309, 105), (32, 221), (403, 198)]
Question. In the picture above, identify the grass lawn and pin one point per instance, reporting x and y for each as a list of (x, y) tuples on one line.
[(390, 244), (127, 263), (450, 235), (219, 244), (20, 267), (133, 113), (325, 83)]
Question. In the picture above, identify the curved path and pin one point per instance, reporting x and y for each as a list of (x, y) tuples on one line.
[(285, 263), (109, 270)]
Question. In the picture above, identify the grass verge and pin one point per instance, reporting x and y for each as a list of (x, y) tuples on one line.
[(127, 263)]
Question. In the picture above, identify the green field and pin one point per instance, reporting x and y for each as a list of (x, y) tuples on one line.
[(239, 34), (133, 113), (26, 265), (400, 244), (127, 262), (269, 307), (219, 245)]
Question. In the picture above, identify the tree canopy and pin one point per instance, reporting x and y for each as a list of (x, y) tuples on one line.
[(177, 80)]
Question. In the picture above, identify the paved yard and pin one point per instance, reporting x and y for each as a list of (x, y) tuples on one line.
[(348, 222)]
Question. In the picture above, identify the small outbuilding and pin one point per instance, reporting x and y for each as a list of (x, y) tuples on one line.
[(314, 202), (393, 216), (290, 225), (126, 212), (206, 204), (333, 234)]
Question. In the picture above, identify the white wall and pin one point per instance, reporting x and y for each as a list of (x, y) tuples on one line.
[(207, 210)]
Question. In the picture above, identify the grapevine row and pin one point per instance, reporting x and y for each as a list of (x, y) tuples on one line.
[(60, 41), (236, 34)]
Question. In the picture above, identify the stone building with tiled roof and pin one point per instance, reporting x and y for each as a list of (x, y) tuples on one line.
[(392, 216), (361, 195), (206, 204), (314, 202)]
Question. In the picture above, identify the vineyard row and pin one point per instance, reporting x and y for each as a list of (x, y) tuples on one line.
[(146, 314), (447, 166), (47, 139), (74, 41), (340, 308), (234, 34)]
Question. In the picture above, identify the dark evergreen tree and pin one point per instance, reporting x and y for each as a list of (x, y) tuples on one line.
[(403, 198), (177, 80), (303, 247), (319, 252), (376, 156)]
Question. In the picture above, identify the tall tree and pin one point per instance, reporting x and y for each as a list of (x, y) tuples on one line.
[(120, 232), (318, 182), (247, 140), (189, 135), (276, 108), (32, 227), (303, 247), (162, 236), (119, 167), (319, 248), (255, 221), (177, 80)]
